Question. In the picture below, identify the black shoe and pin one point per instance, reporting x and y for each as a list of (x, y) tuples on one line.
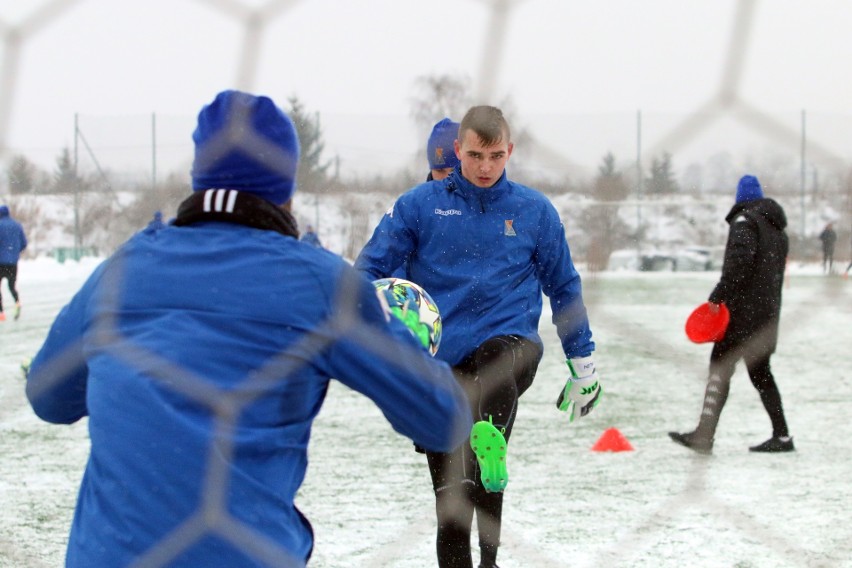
[(775, 444), (693, 442), (488, 566)]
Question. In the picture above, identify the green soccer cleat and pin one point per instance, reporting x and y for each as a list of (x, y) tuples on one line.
[(489, 445)]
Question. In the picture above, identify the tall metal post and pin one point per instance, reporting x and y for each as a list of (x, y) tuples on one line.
[(317, 212), (78, 241), (638, 174), (154, 151), (803, 179)]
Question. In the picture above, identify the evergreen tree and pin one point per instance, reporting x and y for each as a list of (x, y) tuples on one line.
[(609, 184), (312, 175), (65, 178), (662, 179), (605, 229)]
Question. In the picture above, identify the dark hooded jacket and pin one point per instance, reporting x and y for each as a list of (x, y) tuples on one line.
[(753, 273)]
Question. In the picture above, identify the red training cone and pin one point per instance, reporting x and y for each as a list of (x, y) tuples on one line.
[(705, 326), (612, 441)]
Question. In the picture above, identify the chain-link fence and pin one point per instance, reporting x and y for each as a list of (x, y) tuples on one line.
[(795, 154)]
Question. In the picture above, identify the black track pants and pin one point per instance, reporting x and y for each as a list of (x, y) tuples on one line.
[(494, 377)]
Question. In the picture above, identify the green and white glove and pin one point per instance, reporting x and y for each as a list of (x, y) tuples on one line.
[(582, 392)]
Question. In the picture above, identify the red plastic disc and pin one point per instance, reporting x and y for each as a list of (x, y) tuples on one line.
[(704, 326)]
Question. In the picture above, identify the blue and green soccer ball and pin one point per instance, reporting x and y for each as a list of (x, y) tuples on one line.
[(415, 307)]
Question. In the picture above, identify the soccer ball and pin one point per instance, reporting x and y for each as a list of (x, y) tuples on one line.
[(415, 307)]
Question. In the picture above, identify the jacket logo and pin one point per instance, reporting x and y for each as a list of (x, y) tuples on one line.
[(447, 212), (508, 230), (215, 200)]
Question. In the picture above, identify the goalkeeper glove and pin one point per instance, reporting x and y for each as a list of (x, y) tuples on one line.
[(582, 392)]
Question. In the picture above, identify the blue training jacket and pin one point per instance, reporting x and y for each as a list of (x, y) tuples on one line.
[(485, 256), (12, 238), (201, 355)]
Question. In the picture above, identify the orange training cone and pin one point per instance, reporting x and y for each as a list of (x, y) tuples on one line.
[(612, 441)]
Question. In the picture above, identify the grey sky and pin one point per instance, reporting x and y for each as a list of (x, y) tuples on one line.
[(355, 62)]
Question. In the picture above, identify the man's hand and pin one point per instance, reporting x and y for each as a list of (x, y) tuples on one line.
[(582, 392)]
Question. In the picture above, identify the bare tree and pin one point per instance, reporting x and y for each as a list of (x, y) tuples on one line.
[(440, 96), (22, 175)]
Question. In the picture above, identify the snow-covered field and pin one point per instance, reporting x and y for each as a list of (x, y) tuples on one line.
[(368, 493)]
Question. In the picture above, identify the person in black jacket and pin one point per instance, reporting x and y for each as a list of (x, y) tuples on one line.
[(750, 286), (828, 237), (848, 267)]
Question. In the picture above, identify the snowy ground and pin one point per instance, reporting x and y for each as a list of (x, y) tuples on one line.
[(369, 496)]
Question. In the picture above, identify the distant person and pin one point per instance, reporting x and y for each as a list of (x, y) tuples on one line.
[(201, 384), (13, 241), (828, 238), (156, 222), (440, 149), (750, 286), (849, 266), (310, 236), (486, 248), (441, 157)]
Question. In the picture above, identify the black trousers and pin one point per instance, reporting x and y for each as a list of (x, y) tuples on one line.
[(723, 360), (494, 377), (10, 273), (827, 259)]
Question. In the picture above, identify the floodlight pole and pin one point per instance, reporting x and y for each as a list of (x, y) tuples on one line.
[(638, 175), (803, 177), (154, 152), (77, 239)]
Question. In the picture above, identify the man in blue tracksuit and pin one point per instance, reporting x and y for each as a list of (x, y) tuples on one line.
[(485, 248), (13, 241), (201, 380)]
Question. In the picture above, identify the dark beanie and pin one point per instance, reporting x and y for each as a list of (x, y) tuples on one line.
[(245, 142), (439, 150), (748, 189)]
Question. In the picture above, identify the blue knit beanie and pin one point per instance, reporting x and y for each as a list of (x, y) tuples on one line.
[(245, 142), (439, 150), (748, 189)]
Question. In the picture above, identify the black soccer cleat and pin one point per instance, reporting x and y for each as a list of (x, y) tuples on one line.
[(775, 444), (693, 442)]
